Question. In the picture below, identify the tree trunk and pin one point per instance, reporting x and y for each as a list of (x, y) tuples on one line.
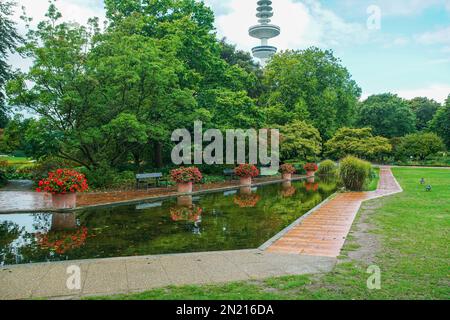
[(158, 155)]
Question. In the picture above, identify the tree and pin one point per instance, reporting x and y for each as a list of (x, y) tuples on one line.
[(357, 142), (91, 88), (300, 141), (388, 115), (310, 85), (9, 39), (419, 145), (441, 122), (424, 109)]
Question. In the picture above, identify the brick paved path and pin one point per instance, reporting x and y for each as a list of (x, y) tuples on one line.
[(323, 232)]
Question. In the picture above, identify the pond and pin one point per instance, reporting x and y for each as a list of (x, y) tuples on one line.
[(239, 219)]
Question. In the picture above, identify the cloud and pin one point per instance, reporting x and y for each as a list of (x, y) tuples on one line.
[(303, 24), (438, 92), (439, 36), (396, 7)]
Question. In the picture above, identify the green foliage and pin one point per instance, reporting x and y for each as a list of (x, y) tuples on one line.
[(300, 141), (354, 173), (9, 40), (3, 179), (357, 142), (388, 115), (310, 85), (327, 167), (441, 122), (419, 146), (424, 109)]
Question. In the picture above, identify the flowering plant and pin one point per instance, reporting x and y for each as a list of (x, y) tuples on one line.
[(190, 214), (185, 175), (246, 170), (311, 167), (247, 200), (287, 168), (63, 241), (63, 181)]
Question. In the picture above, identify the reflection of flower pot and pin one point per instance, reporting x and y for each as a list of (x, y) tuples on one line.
[(310, 173), (247, 200), (64, 201), (246, 181), (286, 184), (185, 187), (64, 221), (287, 176), (311, 179), (245, 190), (184, 201)]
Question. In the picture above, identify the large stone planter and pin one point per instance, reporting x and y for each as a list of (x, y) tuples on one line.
[(287, 176), (64, 201), (246, 181), (184, 187)]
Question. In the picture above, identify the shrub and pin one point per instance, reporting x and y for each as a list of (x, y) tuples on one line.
[(287, 168), (185, 175), (419, 146), (43, 167), (354, 173), (3, 179), (327, 167), (246, 170)]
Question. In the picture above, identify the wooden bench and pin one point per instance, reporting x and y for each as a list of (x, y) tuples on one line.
[(229, 173), (149, 179)]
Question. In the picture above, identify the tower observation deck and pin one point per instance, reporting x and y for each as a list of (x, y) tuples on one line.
[(264, 31)]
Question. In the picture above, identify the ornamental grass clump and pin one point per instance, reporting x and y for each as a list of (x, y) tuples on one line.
[(354, 173), (327, 167)]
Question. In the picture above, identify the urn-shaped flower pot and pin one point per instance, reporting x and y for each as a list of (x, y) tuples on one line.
[(287, 176), (246, 181), (64, 201), (184, 187)]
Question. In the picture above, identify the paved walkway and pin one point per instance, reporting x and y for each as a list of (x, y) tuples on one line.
[(127, 275), (309, 247), (323, 232)]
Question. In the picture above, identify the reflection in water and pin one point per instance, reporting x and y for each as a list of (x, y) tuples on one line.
[(246, 198), (288, 190), (241, 220)]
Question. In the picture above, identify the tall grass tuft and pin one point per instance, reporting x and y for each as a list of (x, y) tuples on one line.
[(354, 173), (327, 167)]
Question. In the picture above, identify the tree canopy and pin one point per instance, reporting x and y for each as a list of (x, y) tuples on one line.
[(424, 109), (310, 85), (300, 141), (9, 39), (357, 142), (441, 122)]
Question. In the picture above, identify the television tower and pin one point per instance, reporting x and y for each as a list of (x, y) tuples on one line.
[(264, 31)]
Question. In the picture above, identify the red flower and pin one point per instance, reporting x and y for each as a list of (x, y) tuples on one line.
[(287, 168), (63, 181), (311, 167), (185, 175)]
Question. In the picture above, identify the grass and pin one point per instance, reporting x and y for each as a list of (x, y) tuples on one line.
[(16, 160), (412, 228), (373, 185)]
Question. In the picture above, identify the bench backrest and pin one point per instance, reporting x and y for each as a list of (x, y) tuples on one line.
[(228, 172), (142, 176)]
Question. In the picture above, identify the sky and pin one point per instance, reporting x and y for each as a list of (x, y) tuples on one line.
[(398, 46)]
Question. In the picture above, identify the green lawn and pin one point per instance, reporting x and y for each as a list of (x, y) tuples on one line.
[(413, 229), (16, 160)]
